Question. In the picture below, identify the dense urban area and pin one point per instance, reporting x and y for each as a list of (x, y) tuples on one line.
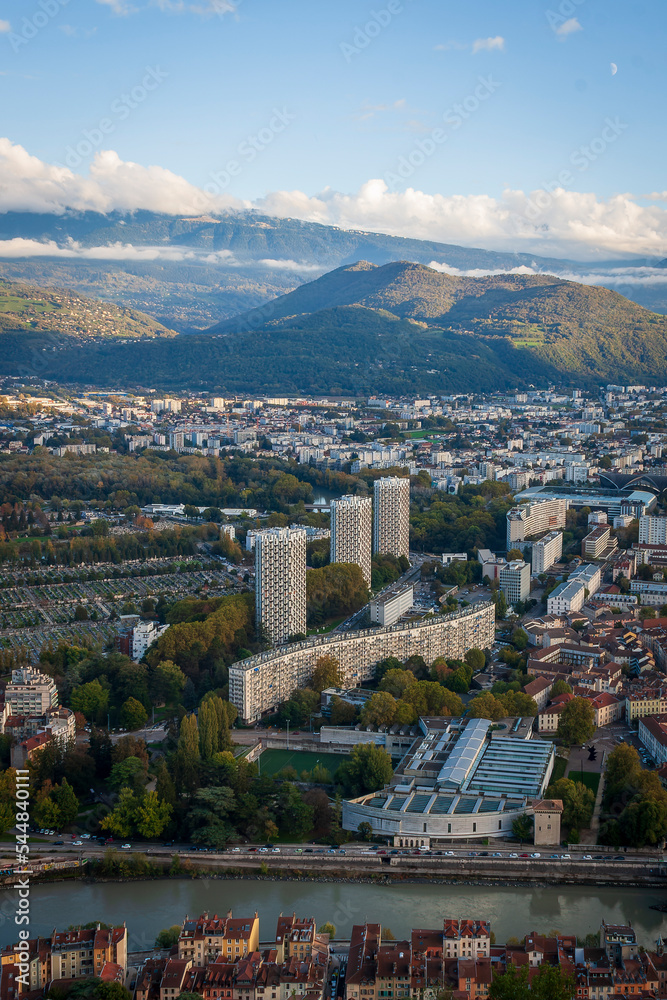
[(340, 637)]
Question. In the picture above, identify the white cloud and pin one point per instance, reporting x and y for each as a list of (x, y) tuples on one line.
[(288, 265), (568, 27), (120, 7), (488, 44), (29, 184), (572, 224), (368, 111), (5, 26)]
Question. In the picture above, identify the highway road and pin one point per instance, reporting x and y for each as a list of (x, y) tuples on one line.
[(497, 857)]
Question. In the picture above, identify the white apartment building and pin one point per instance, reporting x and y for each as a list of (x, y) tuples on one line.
[(280, 582), (515, 581), (534, 519), (547, 551), (31, 692), (567, 597), (649, 592), (263, 682), (351, 529), (144, 634), (388, 607), (391, 516), (652, 530), (588, 574)]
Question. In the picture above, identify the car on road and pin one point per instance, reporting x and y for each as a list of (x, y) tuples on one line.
[(566, 857), (126, 847), (236, 849), (536, 855), (77, 843), (514, 855), (587, 857), (275, 850), (58, 843)]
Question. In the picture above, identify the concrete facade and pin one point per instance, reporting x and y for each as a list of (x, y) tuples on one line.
[(263, 682)]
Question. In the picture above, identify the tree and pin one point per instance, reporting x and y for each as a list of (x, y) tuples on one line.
[(396, 680), (186, 768), (128, 773), (210, 816), (486, 706), (152, 816), (577, 721), (295, 816), (365, 831), (80, 614), (91, 699), (379, 710), (167, 682), (343, 713), (120, 822), (67, 803), (168, 937), (327, 928), (133, 715), (560, 687), (475, 658), (368, 768), (522, 827), (326, 674), (511, 985), (550, 983), (209, 730), (578, 802)]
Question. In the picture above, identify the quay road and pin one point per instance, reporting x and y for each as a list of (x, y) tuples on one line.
[(460, 862)]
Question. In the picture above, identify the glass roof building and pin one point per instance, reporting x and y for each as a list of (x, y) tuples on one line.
[(461, 778)]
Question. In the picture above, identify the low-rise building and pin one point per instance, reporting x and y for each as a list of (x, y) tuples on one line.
[(653, 736), (388, 607)]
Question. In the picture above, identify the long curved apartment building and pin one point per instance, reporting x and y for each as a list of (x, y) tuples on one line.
[(261, 683)]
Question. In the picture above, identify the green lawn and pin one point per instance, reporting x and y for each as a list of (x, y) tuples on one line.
[(558, 772), (273, 761), (327, 627), (589, 778)]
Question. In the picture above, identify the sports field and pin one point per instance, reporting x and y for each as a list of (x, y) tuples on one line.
[(273, 761)]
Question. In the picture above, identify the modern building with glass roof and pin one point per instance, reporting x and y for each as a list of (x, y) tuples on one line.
[(461, 778)]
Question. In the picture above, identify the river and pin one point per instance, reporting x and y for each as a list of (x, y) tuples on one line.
[(149, 906)]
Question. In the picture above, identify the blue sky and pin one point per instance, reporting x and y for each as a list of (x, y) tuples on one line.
[(357, 97)]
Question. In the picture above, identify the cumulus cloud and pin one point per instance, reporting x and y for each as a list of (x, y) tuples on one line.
[(571, 224), (568, 27), (488, 44), (29, 184)]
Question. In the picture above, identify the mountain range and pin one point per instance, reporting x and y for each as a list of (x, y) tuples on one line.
[(191, 273), (394, 328)]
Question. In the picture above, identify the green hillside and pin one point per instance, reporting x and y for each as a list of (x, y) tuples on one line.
[(573, 329), (56, 311), (396, 329)]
